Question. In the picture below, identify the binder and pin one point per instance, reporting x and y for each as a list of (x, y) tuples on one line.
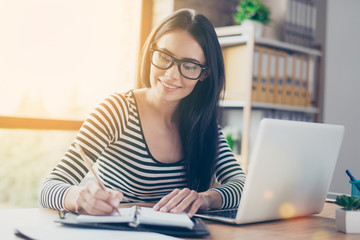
[(313, 11), (264, 75), (288, 85), (289, 30), (311, 80), (272, 66), (304, 83), (237, 68), (280, 78), (297, 80), (308, 24), (256, 74), (198, 229), (298, 20), (302, 8)]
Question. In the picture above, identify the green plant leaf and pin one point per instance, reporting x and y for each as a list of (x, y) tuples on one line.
[(349, 203), (253, 10)]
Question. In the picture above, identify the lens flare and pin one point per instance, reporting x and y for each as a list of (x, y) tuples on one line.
[(321, 234), (268, 194), (287, 210)]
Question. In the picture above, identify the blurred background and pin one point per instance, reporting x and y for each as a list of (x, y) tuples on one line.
[(58, 59)]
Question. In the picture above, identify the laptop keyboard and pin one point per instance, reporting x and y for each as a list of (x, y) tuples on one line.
[(229, 213)]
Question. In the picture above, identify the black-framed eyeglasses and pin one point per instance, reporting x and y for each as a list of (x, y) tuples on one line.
[(188, 69)]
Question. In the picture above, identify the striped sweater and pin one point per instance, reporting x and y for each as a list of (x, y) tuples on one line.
[(113, 137)]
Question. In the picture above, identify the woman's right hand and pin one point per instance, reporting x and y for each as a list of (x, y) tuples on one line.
[(92, 199)]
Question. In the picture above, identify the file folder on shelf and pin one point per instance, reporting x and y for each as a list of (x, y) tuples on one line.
[(272, 76), (264, 75), (280, 78), (288, 85), (296, 81), (255, 86)]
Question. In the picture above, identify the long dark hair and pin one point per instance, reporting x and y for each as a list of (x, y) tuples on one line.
[(198, 112)]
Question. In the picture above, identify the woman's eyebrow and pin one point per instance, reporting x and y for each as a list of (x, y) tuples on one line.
[(191, 60), (186, 59)]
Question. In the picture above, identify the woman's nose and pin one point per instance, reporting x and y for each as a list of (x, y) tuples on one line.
[(173, 72)]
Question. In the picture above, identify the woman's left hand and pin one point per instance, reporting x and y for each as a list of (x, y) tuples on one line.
[(183, 200)]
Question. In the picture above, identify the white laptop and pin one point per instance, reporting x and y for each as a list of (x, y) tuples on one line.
[(289, 174)]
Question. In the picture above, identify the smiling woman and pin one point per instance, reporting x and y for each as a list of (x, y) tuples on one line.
[(161, 142), (57, 60)]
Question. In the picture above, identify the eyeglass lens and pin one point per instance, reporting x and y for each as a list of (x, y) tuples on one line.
[(187, 69)]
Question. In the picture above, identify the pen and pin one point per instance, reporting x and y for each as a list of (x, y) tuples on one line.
[(352, 178), (90, 168)]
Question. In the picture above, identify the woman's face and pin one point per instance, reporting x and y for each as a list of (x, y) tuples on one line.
[(169, 84)]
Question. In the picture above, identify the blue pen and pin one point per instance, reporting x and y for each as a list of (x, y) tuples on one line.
[(352, 178)]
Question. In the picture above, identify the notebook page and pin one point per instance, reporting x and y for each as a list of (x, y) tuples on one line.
[(149, 216), (127, 215)]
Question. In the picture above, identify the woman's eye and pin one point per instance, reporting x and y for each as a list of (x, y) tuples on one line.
[(165, 58), (189, 66)]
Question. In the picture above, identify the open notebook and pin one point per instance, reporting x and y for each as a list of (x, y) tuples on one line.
[(142, 219), (289, 174), (140, 215)]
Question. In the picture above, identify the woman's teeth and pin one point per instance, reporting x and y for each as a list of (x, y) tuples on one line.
[(168, 86)]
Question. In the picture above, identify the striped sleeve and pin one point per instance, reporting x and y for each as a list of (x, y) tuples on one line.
[(229, 174), (53, 194), (102, 126)]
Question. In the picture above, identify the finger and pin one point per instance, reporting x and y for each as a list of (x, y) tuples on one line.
[(195, 206), (186, 202), (81, 201), (107, 201), (90, 204), (96, 206), (115, 197), (109, 196), (96, 191), (176, 200), (98, 209), (166, 199), (116, 194), (100, 206)]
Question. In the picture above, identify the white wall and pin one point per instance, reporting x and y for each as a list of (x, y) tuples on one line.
[(342, 84)]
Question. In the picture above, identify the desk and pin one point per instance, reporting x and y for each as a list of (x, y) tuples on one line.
[(319, 226), (316, 227)]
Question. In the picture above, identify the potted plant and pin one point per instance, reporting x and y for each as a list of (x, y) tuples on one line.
[(253, 12), (348, 217)]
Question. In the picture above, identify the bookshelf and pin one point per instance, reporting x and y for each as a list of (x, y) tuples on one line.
[(262, 105), (239, 46)]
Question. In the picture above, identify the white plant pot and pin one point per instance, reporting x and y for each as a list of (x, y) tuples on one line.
[(347, 221), (258, 27)]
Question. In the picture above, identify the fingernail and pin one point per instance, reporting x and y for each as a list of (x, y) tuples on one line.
[(156, 207), (163, 209), (190, 215), (174, 210), (114, 202)]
